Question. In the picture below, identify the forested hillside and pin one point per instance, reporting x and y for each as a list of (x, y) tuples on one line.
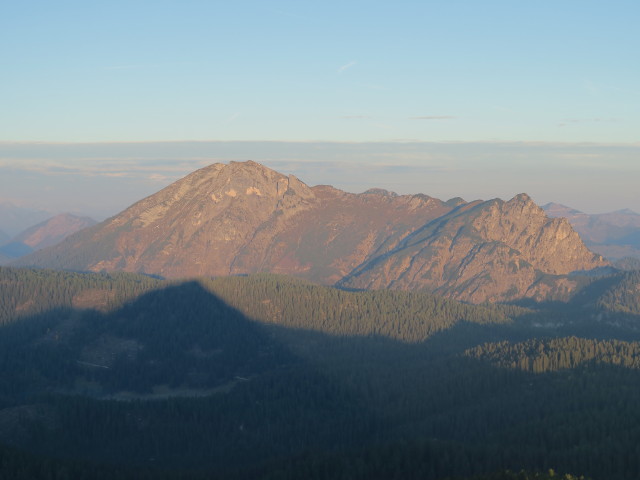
[(25, 292), (624, 295), (550, 355), (407, 316), (265, 377)]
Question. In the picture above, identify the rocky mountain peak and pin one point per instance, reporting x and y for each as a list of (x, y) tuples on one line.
[(243, 217), (380, 191), (493, 250), (239, 180), (550, 244), (521, 198)]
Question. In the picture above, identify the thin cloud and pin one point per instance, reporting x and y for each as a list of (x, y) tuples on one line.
[(371, 86), (439, 169), (590, 120), (157, 177), (355, 117), (112, 168), (115, 174), (233, 117), (145, 65), (434, 117), (346, 66)]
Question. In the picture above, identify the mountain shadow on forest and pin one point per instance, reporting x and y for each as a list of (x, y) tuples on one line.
[(285, 401), (204, 385), (172, 338)]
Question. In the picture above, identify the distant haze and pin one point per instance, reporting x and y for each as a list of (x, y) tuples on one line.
[(101, 179)]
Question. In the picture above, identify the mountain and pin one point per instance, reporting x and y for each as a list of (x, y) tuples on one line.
[(45, 234), (14, 219), (3, 237), (245, 218), (53, 230), (614, 235), (481, 251)]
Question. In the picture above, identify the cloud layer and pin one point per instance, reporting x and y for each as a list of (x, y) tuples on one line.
[(106, 177)]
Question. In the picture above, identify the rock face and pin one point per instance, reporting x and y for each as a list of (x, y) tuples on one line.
[(245, 218), (483, 251)]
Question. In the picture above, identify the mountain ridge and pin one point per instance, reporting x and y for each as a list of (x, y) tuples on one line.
[(44, 234), (242, 217)]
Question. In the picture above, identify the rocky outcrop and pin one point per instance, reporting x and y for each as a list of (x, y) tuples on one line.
[(245, 218), (483, 251)]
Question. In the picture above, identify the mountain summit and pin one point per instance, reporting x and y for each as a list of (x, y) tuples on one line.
[(481, 251), (245, 218)]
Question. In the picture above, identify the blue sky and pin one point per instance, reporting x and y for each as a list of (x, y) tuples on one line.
[(307, 75)]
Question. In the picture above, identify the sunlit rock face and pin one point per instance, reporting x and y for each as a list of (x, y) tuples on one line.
[(484, 251), (245, 218)]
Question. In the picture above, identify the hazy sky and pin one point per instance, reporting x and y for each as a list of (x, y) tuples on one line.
[(470, 98)]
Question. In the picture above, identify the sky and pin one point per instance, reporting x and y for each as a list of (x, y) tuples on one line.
[(103, 103)]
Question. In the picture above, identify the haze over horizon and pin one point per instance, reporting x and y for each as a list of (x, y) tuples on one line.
[(104, 104)]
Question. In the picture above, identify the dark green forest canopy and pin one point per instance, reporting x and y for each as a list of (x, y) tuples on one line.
[(384, 389), (25, 292), (273, 299), (624, 295), (549, 355), (407, 316)]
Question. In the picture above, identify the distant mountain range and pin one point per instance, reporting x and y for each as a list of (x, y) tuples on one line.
[(42, 235), (53, 230), (14, 218), (245, 218), (614, 235)]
